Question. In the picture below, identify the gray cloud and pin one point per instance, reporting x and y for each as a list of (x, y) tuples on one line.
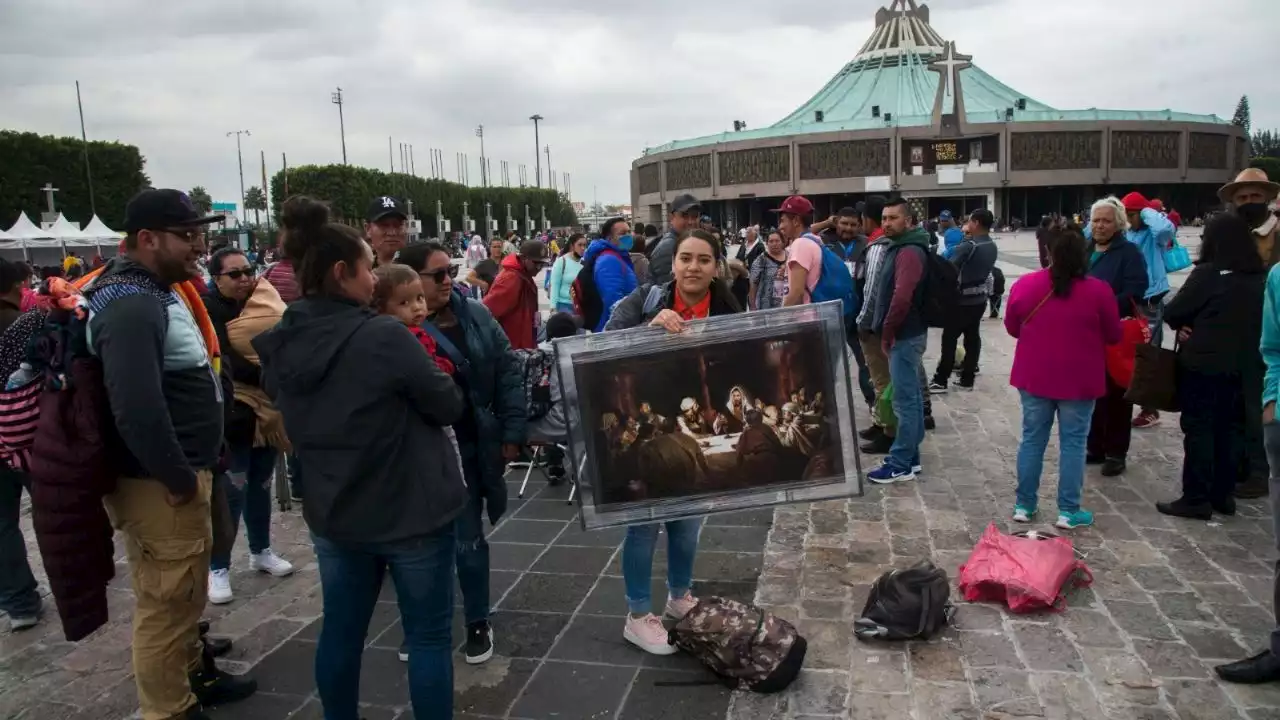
[(611, 77)]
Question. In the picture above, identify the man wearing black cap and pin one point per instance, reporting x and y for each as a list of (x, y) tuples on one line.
[(161, 384), (384, 226), (685, 213)]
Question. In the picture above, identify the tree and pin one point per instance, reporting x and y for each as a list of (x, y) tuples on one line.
[(1266, 143), (1241, 118), (255, 200), (1269, 165), (28, 161), (201, 199)]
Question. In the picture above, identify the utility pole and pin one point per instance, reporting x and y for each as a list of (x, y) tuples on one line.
[(84, 140), (391, 156), (240, 158), (537, 146), (551, 179), (336, 98), (484, 173)]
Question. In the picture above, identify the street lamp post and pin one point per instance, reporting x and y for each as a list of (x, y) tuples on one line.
[(484, 173), (551, 179), (336, 98), (244, 216), (537, 147)]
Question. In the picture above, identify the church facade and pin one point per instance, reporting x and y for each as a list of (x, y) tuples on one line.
[(911, 116)]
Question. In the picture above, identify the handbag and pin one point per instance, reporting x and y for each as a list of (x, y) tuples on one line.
[(1155, 378), (1176, 258), (1134, 332)]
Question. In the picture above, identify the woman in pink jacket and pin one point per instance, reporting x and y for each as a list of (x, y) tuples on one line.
[(1063, 321)]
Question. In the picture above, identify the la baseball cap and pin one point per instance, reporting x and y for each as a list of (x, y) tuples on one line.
[(385, 206), (156, 209), (796, 205)]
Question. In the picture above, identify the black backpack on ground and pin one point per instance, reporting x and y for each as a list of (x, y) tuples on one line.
[(906, 604)]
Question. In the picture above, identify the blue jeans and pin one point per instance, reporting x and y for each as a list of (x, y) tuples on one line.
[(905, 367), (864, 373), (18, 594), (1074, 417), (473, 552), (637, 560), (350, 579), (249, 494)]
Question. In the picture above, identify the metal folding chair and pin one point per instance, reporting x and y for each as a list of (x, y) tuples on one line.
[(537, 459)]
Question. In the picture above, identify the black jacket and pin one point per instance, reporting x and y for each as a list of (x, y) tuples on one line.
[(1224, 311), (1124, 269), (240, 418), (365, 408)]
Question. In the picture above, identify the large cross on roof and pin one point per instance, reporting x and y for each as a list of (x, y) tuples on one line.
[(948, 66)]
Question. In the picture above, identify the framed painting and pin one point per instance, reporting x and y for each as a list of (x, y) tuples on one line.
[(734, 413)]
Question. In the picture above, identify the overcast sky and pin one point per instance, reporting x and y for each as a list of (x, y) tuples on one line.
[(611, 77)]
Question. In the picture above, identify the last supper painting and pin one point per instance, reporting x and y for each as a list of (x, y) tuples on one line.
[(736, 414)]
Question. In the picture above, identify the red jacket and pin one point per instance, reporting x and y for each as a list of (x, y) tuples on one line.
[(513, 300)]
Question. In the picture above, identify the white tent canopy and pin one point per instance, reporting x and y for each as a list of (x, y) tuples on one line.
[(32, 235), (68, 233), (98, 231), (4, 236)]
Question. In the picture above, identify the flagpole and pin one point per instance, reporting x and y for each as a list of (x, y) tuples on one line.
[(88, 174), (265, 192)]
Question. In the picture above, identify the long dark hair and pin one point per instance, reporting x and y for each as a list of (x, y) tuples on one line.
[(1067, 261), (721, 296), (315, 245), (417, 254)]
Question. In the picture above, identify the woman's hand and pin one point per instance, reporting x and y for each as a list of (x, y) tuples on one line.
[(1184, 334), (670, 320)]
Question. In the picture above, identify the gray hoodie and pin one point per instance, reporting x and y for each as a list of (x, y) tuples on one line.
[(552, 426)]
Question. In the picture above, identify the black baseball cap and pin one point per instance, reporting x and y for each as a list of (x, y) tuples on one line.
[(686, 204), (154, 209), (385, 206)]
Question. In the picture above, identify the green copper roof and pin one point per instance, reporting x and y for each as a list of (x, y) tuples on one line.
[(898, 72)]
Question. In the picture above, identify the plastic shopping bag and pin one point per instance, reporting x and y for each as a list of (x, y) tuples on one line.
[(1026, 574), (884, 408)]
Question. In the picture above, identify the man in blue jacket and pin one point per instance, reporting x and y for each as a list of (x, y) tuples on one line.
[(1153, 234)]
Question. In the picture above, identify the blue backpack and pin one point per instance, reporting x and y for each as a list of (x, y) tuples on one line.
[(834, 281)]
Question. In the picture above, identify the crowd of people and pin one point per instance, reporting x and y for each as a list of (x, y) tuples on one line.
[(214, 366)]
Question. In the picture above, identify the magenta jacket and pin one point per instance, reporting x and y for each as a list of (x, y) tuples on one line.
[(1060, 353)]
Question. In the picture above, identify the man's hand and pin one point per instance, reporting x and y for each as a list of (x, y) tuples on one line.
[(1269, 413), (1184, 334), (886, 345), (510, 452), (180, 500)]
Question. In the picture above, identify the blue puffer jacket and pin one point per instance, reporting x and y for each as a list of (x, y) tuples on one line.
[(615, 276), (496, 397)]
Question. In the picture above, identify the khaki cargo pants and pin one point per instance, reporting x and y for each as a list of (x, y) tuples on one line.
[(878, 366), (168, 550)]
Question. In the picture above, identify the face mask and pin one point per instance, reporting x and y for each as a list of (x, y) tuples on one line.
[(626, 242), (1254, 213)]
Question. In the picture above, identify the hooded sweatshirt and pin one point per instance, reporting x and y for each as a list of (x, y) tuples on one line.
[(560, 279), (614, 276), (901, 287), (365, 409), (513, 300)]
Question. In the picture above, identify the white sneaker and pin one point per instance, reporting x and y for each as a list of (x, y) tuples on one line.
[(220, 587), (268, 562), (648, 634)]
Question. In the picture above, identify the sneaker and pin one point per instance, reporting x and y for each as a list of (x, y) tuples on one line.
[(677, 608), (1022, 514), (879, 446), (966, 388), (917, 469), (1146, 420), (220, 587), (1079, 518), (648, 634), (212, 686), (937, 388), (271, 563), (26, 621), (887, 474), (403, 654), (479, 643)]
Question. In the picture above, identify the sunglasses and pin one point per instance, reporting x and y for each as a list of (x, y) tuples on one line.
[(187, 234), (439, 275), (238, 273)]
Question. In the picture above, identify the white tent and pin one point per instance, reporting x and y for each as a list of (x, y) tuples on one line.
[(6, 237), (30, 235), (69, 233), (107, 240)]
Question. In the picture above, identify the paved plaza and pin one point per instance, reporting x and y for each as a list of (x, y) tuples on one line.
[(1171, 598)]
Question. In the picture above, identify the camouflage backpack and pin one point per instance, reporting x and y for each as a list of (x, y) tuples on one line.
[(747, 647)]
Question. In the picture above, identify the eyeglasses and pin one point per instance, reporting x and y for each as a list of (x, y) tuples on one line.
[(437, 276), (189, 235), (239, 273)]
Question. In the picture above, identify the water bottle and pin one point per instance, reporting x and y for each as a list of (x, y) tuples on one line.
[(20, 377)]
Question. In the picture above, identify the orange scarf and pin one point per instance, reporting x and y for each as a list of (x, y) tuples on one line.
[(195, 305)]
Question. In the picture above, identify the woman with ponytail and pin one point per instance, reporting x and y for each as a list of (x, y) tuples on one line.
[(365, 411)]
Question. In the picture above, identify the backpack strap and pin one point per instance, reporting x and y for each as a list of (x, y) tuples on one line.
[(445, 344), (652, 301)]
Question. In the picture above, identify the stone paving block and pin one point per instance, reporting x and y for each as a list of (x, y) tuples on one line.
[(649, 701), (1092, 628), (573, 560), (1200, 700), (1184, 607), (939, 660), (989, 649), (1066, 697), (878, 669), (939, 701), (1000, 690), (1213, 643), (874, 706), (1221, 592), (1254, 697), (511, 556), (818, 692), (978, 616), (597, 640), (261, 706), (1140, 619), (527, 635), (572, 691), (491, 688), (1046, 648), (548, 593), (1169, 659), (830, 644), (1156, 578)]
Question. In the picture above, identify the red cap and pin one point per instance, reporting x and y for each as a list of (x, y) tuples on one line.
[(1157, 205), (796, 205), (1134, 202)]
